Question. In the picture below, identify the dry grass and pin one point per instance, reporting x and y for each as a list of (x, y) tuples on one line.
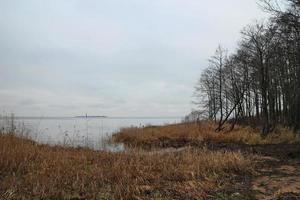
[(204, 131), (32, 171)]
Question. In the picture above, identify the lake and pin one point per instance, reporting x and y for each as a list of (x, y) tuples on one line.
[(90, 132)]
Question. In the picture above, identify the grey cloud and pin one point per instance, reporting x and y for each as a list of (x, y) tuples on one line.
[(113, 57)]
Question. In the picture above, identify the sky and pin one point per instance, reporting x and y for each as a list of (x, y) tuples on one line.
[(111, 57)]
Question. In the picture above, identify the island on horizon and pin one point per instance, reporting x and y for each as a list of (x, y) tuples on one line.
[(87, 116)]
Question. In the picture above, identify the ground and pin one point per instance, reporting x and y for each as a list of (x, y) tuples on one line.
[(276, 159), (278, 174), (184, 161), (277, 170)]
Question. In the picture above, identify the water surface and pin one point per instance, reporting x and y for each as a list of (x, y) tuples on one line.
[(89, 132)]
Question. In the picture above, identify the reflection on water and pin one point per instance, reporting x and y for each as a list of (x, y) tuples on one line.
[(83, 132)]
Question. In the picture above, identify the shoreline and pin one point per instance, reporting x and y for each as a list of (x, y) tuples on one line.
[(160, 162)]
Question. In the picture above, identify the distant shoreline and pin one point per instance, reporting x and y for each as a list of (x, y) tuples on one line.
[(90, 117)]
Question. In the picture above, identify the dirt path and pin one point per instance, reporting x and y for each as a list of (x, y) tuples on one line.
[(277, 179)]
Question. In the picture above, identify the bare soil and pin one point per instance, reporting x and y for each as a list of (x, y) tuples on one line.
[(277, 171)]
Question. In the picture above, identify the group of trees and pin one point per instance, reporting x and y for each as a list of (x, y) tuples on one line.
[(261, 80)]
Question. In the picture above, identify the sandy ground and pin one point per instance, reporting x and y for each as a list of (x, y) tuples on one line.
[(277, 179)]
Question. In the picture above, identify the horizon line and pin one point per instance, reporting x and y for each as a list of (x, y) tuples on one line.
[(94, 116)]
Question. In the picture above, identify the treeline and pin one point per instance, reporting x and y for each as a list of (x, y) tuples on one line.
[(261, 80)]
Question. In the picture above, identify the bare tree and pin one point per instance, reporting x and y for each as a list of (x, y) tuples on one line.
[(260, 82)]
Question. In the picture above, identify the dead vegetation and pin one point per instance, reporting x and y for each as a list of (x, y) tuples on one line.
[(202, 132), (33, 171), (29, 170), (268, 182)]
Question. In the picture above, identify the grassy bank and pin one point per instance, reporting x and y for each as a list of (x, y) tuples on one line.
[(201, 132), (33, 171)]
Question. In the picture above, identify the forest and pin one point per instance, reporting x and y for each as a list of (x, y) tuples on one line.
[(260, 81)]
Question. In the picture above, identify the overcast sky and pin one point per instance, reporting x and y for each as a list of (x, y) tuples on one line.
[(111, 57)]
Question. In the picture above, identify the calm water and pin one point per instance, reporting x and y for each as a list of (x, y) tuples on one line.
[(83, 131)]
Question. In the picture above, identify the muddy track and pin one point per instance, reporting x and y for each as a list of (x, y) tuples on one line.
[(282, 151)]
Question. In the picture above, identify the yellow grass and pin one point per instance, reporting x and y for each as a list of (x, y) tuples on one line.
[(203, 131), (32, 171)]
